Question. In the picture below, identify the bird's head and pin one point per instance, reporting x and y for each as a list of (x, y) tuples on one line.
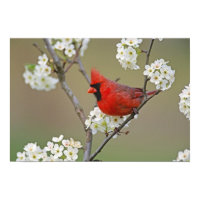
[(96, 80)]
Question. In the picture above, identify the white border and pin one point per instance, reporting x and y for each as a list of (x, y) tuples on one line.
[(99, 180)]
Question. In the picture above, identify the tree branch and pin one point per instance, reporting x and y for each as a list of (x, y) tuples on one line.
[(117, 130), (146, 79), (38, 48), (71, 96), (75, 58), (149, 51), (88, 144), (82, 70)]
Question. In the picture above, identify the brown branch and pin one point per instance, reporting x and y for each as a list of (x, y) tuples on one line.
[(82, 70), (117, 79), (88, 144), (117, 130), (38, 48), (146, 79), (72, 97), (144, 51), (149, 51), (74, 59)]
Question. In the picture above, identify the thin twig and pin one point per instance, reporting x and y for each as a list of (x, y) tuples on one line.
[(146, 79), (74, 59), (149, 51), (68, 91), (117, 79), (38, 48), (144, 51), (82, 70)]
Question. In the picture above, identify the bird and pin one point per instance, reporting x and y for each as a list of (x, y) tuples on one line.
[(115, 99)]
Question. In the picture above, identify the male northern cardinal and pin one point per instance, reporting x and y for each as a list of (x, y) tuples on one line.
[(113, 98)]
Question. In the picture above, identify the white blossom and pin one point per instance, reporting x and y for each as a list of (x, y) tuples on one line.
[(66, 143), (73, 143), (53, 151), (162, 84), (131, 53), (115, 121), (69, 50), (122, 43), (99, 122), (21, 156), (57, 139), (127, 54), (71, 154), (77, 144), (155, 78), (120, 53), (67, 41), (129, 63), (160, 74), (59, 45), (57, 150), (70, 45), (88, 122), (44, 156), (157, 64), (133, 42), (183, 156), (94, 126), (33, 156), (29, 77), (49, 146), (52, 158), (97, 114), (165, 72), (38, 77), (30, 147), (85, 42), (184, 104), (42, 60), (149, 70), (136, 116)]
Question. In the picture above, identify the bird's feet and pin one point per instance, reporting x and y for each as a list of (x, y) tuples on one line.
[(135, 111)]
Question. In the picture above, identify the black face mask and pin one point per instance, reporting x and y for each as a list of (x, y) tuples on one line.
[(98, 93)]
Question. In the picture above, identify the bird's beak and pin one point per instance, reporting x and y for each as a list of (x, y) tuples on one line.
[(92, 90)]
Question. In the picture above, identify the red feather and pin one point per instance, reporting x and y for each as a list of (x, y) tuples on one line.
[(113, 98)]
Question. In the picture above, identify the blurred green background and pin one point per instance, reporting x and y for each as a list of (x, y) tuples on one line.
[(157, 135)]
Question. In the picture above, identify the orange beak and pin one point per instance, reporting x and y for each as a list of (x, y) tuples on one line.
[(92, 90)]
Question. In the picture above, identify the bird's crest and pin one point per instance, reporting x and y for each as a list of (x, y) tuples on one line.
[(96, 77)]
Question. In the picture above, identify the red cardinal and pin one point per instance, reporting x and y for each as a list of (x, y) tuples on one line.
[(113, 98)]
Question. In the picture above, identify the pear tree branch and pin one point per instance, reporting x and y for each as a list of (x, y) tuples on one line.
[(79, 110), (75, 58), (82, 70), (146, 79)]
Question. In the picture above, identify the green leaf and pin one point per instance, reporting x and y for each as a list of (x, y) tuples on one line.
[(30, 67), (138, 51), (53, 41)]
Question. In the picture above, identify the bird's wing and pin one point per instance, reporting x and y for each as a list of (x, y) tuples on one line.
[(129, 92), (127, 96)]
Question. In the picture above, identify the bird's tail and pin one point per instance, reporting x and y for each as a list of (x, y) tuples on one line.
[(149, 93)]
